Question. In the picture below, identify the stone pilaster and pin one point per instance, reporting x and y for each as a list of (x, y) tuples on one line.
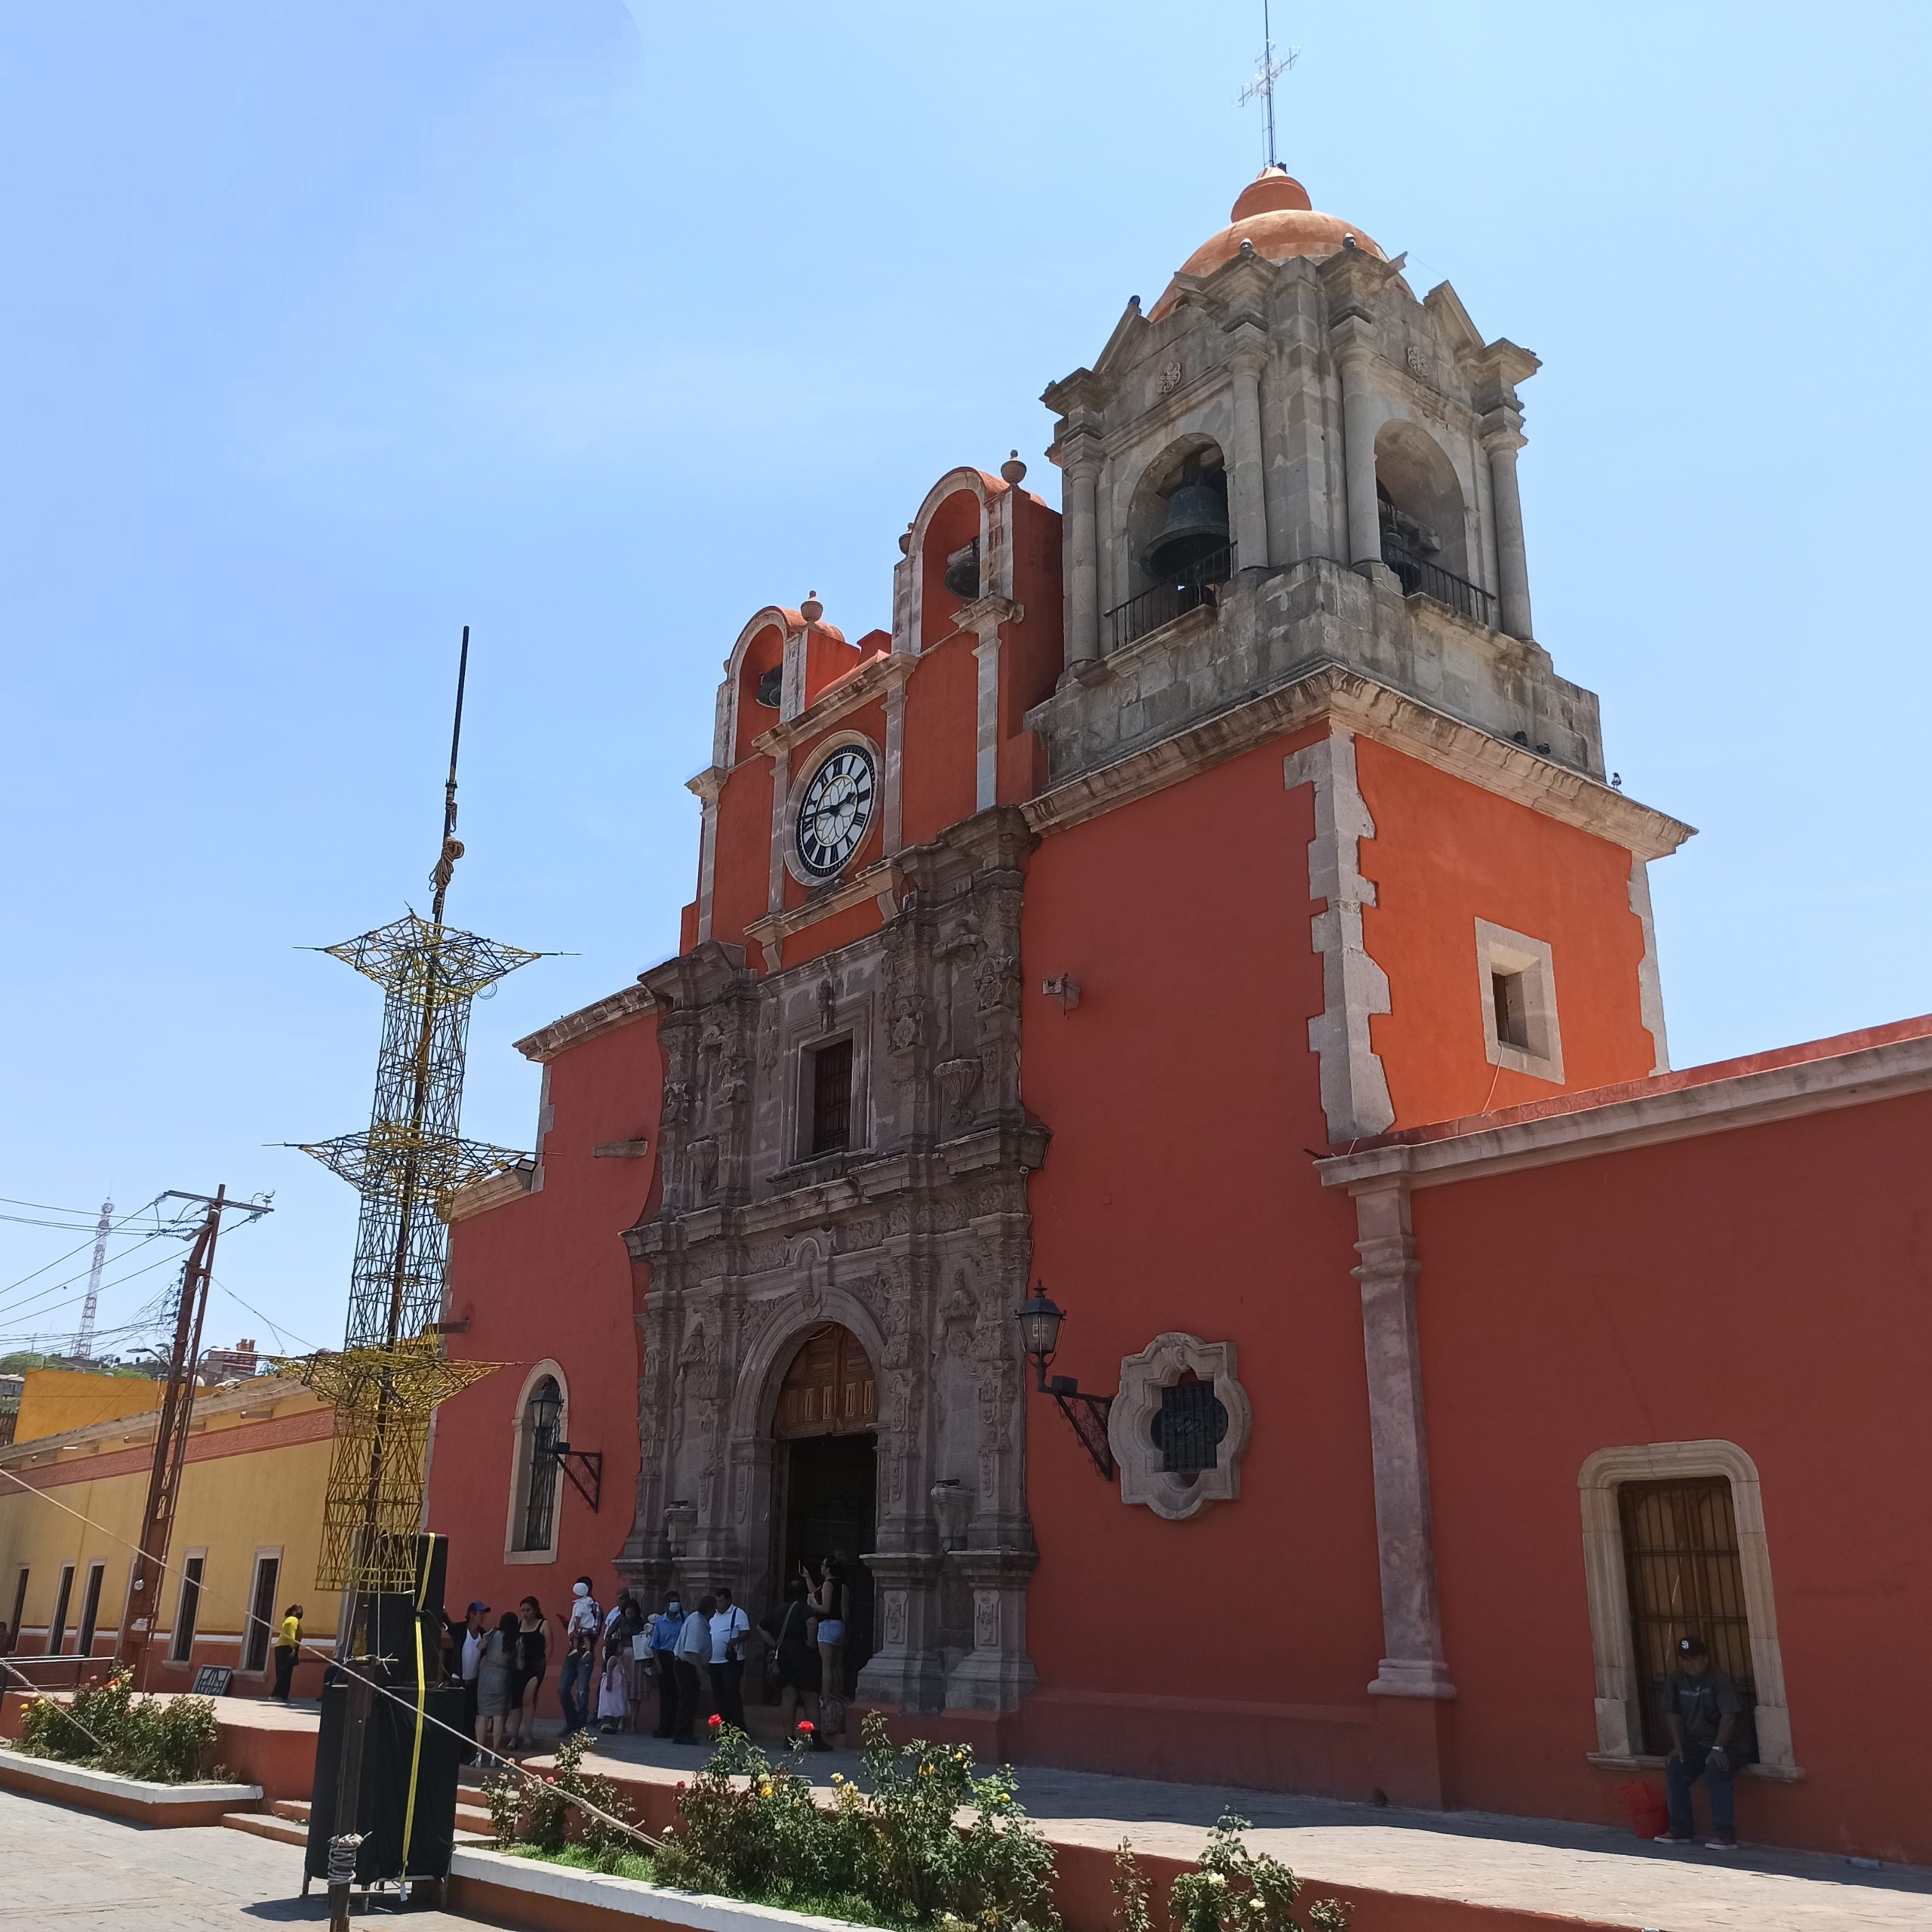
[(1248, 499), (1412, 1664), (1360, 414), (908, 1668), (707, 785), (996, 1674)]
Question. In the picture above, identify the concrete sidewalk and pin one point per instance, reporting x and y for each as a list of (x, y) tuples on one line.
[(1581, 1871)]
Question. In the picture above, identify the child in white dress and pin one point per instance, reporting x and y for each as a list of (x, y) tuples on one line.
[(613, 1690)]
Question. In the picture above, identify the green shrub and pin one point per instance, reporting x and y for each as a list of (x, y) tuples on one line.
[(1232, 1889), (892, 1854), (538, 1808), (164, 1740)]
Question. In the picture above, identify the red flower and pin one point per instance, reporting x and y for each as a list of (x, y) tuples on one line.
[(807, 1727), (716, 1722), (680, 1784)]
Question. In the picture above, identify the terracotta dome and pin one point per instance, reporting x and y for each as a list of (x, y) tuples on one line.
[(1275, 215)]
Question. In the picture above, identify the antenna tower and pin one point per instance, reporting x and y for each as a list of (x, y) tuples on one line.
[(407, 1164), (1262, 87), (84, 1337)]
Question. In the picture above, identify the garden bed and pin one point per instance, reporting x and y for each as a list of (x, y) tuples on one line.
[(138, 1798), (541, 1893)]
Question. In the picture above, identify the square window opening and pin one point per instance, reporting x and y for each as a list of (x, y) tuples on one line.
[(829, 1077), (1509, 998)]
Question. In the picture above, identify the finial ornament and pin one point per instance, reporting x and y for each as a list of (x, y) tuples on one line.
[(1262, 87), (1013, 470), (811, 609)]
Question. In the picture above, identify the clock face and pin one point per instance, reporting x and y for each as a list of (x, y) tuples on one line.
[(835, 810)]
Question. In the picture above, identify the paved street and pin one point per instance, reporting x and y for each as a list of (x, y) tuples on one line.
[(75, 1871)]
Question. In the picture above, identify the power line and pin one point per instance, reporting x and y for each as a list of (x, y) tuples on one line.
[(72, 1251)]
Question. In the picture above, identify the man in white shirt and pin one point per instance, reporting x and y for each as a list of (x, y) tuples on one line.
[(475, 1634), (729, 1626), (693, 1661)]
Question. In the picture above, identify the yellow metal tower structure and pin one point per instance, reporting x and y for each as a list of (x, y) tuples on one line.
[(407, 1164)]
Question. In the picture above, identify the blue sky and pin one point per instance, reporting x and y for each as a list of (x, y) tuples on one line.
[(327, 329)]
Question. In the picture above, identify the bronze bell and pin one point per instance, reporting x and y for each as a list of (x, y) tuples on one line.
[(1196, 526), (769, 687), (962, 569)]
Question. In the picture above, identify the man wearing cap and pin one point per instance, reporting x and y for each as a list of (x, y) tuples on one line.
[(473, 1635), (1702, 1707)]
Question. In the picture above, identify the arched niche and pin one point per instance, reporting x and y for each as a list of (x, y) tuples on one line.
[(541, 1420), (1188, 457), (1420, 497)]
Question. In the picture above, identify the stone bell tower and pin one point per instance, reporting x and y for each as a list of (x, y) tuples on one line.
[(1290, 438)]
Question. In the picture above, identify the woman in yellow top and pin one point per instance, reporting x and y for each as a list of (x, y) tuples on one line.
[(288, 1648)]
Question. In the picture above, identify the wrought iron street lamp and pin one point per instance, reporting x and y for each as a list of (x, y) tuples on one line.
[(1040, 1316)]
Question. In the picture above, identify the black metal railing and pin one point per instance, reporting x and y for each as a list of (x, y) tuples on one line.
[(1187, 590), (1420, 577)]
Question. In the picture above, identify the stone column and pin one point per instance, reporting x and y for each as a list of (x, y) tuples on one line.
[(983, 618), (1502, 438), (707, 785), (1083, 550), (1412, 1664), (1359, 421), (891, 825), (1248, 502)]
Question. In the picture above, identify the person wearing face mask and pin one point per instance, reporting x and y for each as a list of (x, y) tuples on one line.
[(666, 1627)]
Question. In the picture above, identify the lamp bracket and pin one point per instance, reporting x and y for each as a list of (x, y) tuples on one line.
[(585, 1467)]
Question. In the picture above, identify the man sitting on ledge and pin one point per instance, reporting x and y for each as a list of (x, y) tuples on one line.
[(1702, 1707)]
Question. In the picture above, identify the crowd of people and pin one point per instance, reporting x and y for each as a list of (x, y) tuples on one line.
[(687, 1661)]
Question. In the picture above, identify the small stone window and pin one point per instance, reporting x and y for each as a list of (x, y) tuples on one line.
[(542, 1416), (1179, 1425), (1516, 989), (828, 1072)]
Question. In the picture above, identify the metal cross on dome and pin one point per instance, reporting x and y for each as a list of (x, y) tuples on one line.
[(1262, 87)]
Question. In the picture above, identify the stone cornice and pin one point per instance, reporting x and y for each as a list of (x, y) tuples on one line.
[(1670, 1107), (493, 1191), (573, 1028), (816, 1199), (1362, 704), (871, 679)]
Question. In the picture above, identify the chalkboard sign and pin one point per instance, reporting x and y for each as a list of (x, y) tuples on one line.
[(212, 1680)]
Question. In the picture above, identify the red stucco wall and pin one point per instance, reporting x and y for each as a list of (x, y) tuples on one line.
[(1176, 1194), (1767, 1287), (546, 1277)]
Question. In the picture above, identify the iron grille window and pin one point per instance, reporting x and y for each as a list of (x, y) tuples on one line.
[(187, 1612), (1682, 1569), (56, 1631), (261, 1614), (89, 1610), (1189, 1427), (542, 1416), (831, 1097)]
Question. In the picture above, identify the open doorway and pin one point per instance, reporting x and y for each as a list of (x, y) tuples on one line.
[(827, 1467)]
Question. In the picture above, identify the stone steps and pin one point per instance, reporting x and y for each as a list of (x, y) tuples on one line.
[(287, 1822), (267, 1825)]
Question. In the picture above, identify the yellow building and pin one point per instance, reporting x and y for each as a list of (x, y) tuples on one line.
[(55, 1400), (248, 1526)]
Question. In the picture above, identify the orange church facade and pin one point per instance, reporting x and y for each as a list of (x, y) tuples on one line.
[(1207, 901)]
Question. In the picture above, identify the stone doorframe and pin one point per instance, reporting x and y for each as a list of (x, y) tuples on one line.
[(1619, 1726)]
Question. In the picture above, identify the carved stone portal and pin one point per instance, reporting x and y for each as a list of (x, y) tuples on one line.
[(914, 1241)]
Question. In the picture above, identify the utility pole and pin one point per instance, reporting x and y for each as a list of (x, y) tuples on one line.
[(171, 1435), (83, 1341)]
